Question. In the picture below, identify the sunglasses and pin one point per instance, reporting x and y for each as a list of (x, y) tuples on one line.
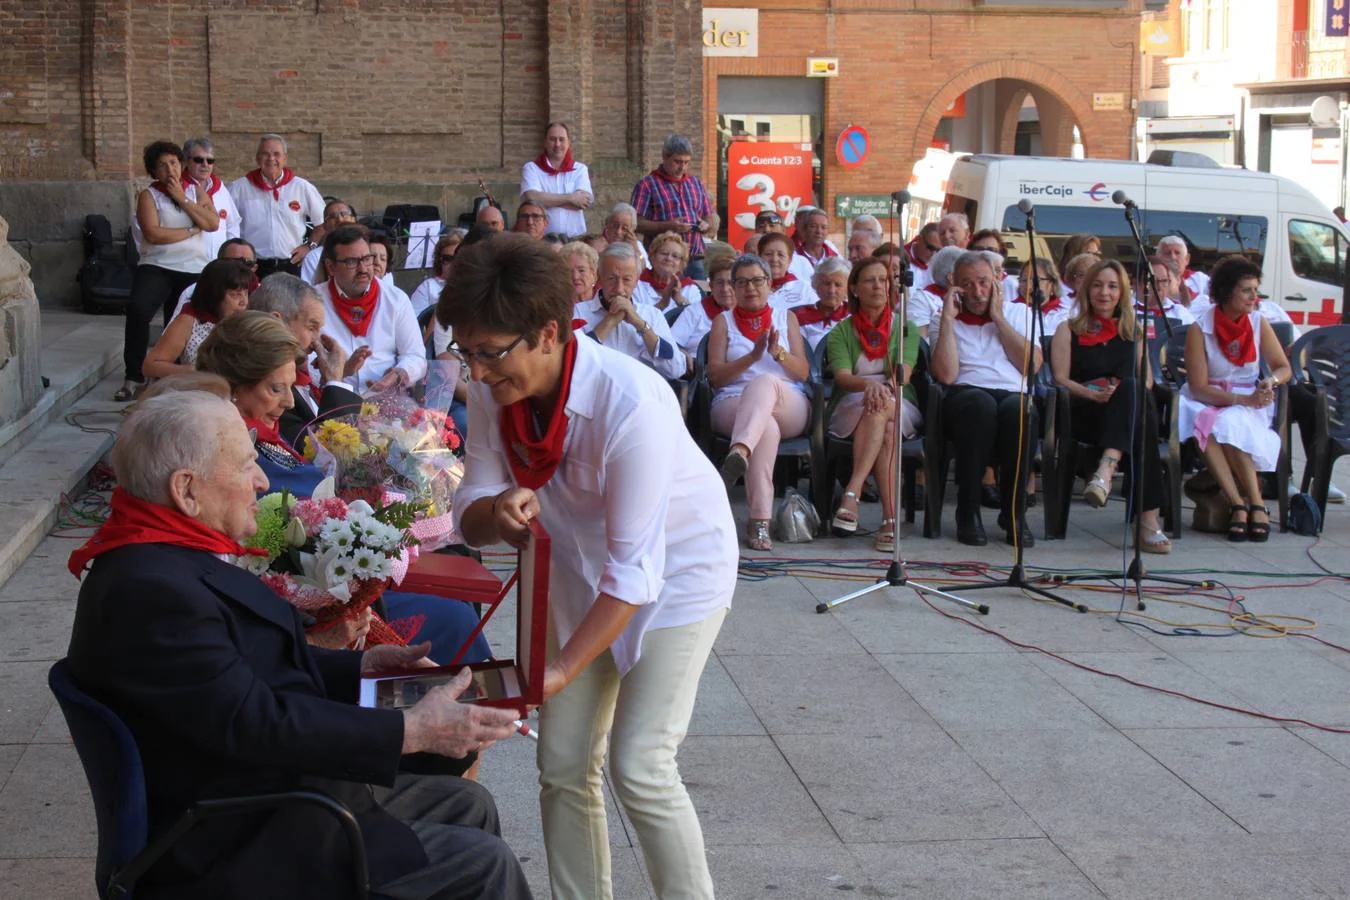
[(204, 160)]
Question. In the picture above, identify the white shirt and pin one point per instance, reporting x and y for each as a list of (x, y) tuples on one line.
[(823, 255), (921, 306), (1271, 311), (739, 345), (571, 222), (983, 363), (794, 293), (441, 336), (802, 267), (1198, 282), (814, 333), (309, 266), (393, 338), (229, 223), (665, 544), (428, 293), (625, 338), (922, 278), (276, 226), (686, 295), (1011, 288), (689, 329), (180, 256), (1171, 309), (183, 300)]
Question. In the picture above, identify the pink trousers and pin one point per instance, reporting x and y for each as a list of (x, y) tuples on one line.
[(769, 410)]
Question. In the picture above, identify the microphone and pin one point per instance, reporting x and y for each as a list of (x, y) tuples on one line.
[(1025, 206), (900, 197), (1120, 199)]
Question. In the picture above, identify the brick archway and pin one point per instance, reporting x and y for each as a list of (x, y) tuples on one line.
[(1035, 74)]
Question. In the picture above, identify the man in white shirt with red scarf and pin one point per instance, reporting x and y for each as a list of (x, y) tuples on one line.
[(813, 224), (920, 251), (199, 168), (275, 205), (379, 332), (1194, 284), (558, 183), (614, 319)]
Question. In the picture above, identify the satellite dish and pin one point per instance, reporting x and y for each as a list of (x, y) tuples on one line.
[(1325, 112)]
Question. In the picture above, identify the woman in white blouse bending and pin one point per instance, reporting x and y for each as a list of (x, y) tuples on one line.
[(757, 368), (567, 431)]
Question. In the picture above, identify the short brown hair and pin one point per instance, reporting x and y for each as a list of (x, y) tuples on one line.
[(509, 283), (247, 347), (720, 263), (989, 233), (855, 275), (779, 237)]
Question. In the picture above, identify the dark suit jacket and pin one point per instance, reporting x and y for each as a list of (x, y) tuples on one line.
[(334, 400), (211, 672)]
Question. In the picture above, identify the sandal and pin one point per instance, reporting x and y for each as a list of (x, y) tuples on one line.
[(1237, 531), (1154, 540), (733, 468), (1095, 493), (1258, 532), (885, 540), (845, 521), (757, 535), (127, 392)]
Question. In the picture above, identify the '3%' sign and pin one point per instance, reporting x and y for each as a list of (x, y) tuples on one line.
[(762, 177)]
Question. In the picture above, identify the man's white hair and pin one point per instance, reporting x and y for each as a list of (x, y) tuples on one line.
[(870, 224), (1173, 240), (620, 250), (624, 209), (831, 265), (959, 217), (995, 259), (178, 430), (270, 136), (942, 263)]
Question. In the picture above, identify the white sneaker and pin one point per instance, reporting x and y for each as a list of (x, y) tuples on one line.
[(1335, 494)]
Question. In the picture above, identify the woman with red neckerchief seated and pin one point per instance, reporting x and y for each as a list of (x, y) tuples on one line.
[(1226, 407), (785, 289), (221, 292), (757, 367), (830, 282), (696, 321), (664, 284)]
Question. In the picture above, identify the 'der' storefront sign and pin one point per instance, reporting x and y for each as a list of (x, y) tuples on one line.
[(730, 32)]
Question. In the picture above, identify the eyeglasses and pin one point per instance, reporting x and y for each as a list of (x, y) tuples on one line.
[(530, 217), (204, 160), (757, 282), (251, 263), (483, 357), (356, 262)]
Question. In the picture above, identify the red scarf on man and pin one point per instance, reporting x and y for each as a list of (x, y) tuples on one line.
[(136, 521), (567, 164), (1235, 338), (305, 381), (1099, 331), (661, 173), (811, 314), (269, 434), (356, 313), (969, 318), (914, 259), (533, 460), (875, 337), (258, 181), (753, 324), (211, 188), (776, 283), (825, 251)]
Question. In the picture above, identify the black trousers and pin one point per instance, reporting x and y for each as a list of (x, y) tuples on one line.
[(1109, 425), (271, 266), (152, 289), (456, 821), (983, 424)]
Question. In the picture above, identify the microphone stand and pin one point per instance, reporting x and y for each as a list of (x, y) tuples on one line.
[(1017, 576), (897, 574)]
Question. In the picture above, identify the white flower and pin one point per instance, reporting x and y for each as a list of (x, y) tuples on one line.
[(361, 507), (325, 490), (295, 533), (337, 535), (337, 577), (365, 563), (362, 526), (385, 568)]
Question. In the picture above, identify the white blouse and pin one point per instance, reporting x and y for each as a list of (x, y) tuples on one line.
[(983, 362), (666, 544), (739, 345)]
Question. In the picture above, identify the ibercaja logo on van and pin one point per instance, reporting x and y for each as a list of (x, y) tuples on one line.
[(1097, 192)]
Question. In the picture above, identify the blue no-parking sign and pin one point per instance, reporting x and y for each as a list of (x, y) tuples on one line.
[(853, 147)]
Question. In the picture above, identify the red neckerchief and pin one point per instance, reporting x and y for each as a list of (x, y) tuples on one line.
[(200, 315), (649, 276), (359, 312), (211, 188), (136, 521), (970, 318), (875, 337), (660, 173), (258, 181), (936, 290), (811, 314), (776, 283), (568, 164), (753, 324), (825, 251), (1105, 330), (1050, 305), (265, 434), (534, 460), (1236, 340), (578, 324), (913, 259), (710, 308), (305, 381)]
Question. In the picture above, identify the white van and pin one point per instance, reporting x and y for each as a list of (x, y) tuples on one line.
[(1299, 243)]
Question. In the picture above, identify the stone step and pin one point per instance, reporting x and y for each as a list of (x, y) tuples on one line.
[(55, 462), (73, 363)]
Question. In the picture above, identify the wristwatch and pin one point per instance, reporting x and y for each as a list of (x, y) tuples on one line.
[(780, 355)]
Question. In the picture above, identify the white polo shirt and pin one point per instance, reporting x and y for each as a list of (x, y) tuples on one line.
[(393, 338), (571, 222), (428, 293), (800, 266), (229, 219), (309, 266), (634, 510), (982, 360), (1198, 282), (625, 338), (692, 325), (273, 220)]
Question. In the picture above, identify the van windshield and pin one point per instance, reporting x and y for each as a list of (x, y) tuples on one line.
[(1210, 236)]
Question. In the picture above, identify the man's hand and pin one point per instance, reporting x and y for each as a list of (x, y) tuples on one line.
[(356, 361), (620, 308), (331, 358), (705, 226), (343, 635), (951, 304), (581, 199), (299, 254), (555, 679), (996, 303), (512, 511), (392, 658), (438, 723), (394, 378)]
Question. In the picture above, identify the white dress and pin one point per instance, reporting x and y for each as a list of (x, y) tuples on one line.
[(1238, 426)]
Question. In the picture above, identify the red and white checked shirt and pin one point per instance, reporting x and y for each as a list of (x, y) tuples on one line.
[(686, 200)]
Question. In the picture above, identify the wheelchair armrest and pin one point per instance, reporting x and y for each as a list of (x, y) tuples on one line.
[(124, 879)]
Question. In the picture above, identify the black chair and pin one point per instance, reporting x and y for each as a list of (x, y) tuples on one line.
[(1321, 360), (1284, 333), (423, 320), (112, 764), (794, 454)]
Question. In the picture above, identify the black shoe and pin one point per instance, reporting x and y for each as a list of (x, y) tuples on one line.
[(990, 498), (970, 530), (1023, 534)]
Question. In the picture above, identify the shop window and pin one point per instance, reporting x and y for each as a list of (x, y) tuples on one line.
[(1317, 252)]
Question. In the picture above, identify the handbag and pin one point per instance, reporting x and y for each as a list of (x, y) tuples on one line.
[(795, 521)]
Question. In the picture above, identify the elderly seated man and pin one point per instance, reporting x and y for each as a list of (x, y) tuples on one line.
[(981, 352), (619, 322), (211, 672)]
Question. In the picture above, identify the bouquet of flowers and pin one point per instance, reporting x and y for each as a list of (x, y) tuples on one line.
[(331, 558), (394, 450)]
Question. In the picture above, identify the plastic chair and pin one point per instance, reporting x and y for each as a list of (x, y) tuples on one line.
[(1321, 360), (112, 765)]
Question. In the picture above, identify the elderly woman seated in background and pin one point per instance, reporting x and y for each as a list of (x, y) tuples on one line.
[(1225, 405), (785, 289), (664, 283), (429, 291), (696, 321), (1168, 277), (583, 266), (924, 305), (221, 292), (830, 282), (866, 355), (1077, 245), (1054, 309), (757, 367)]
